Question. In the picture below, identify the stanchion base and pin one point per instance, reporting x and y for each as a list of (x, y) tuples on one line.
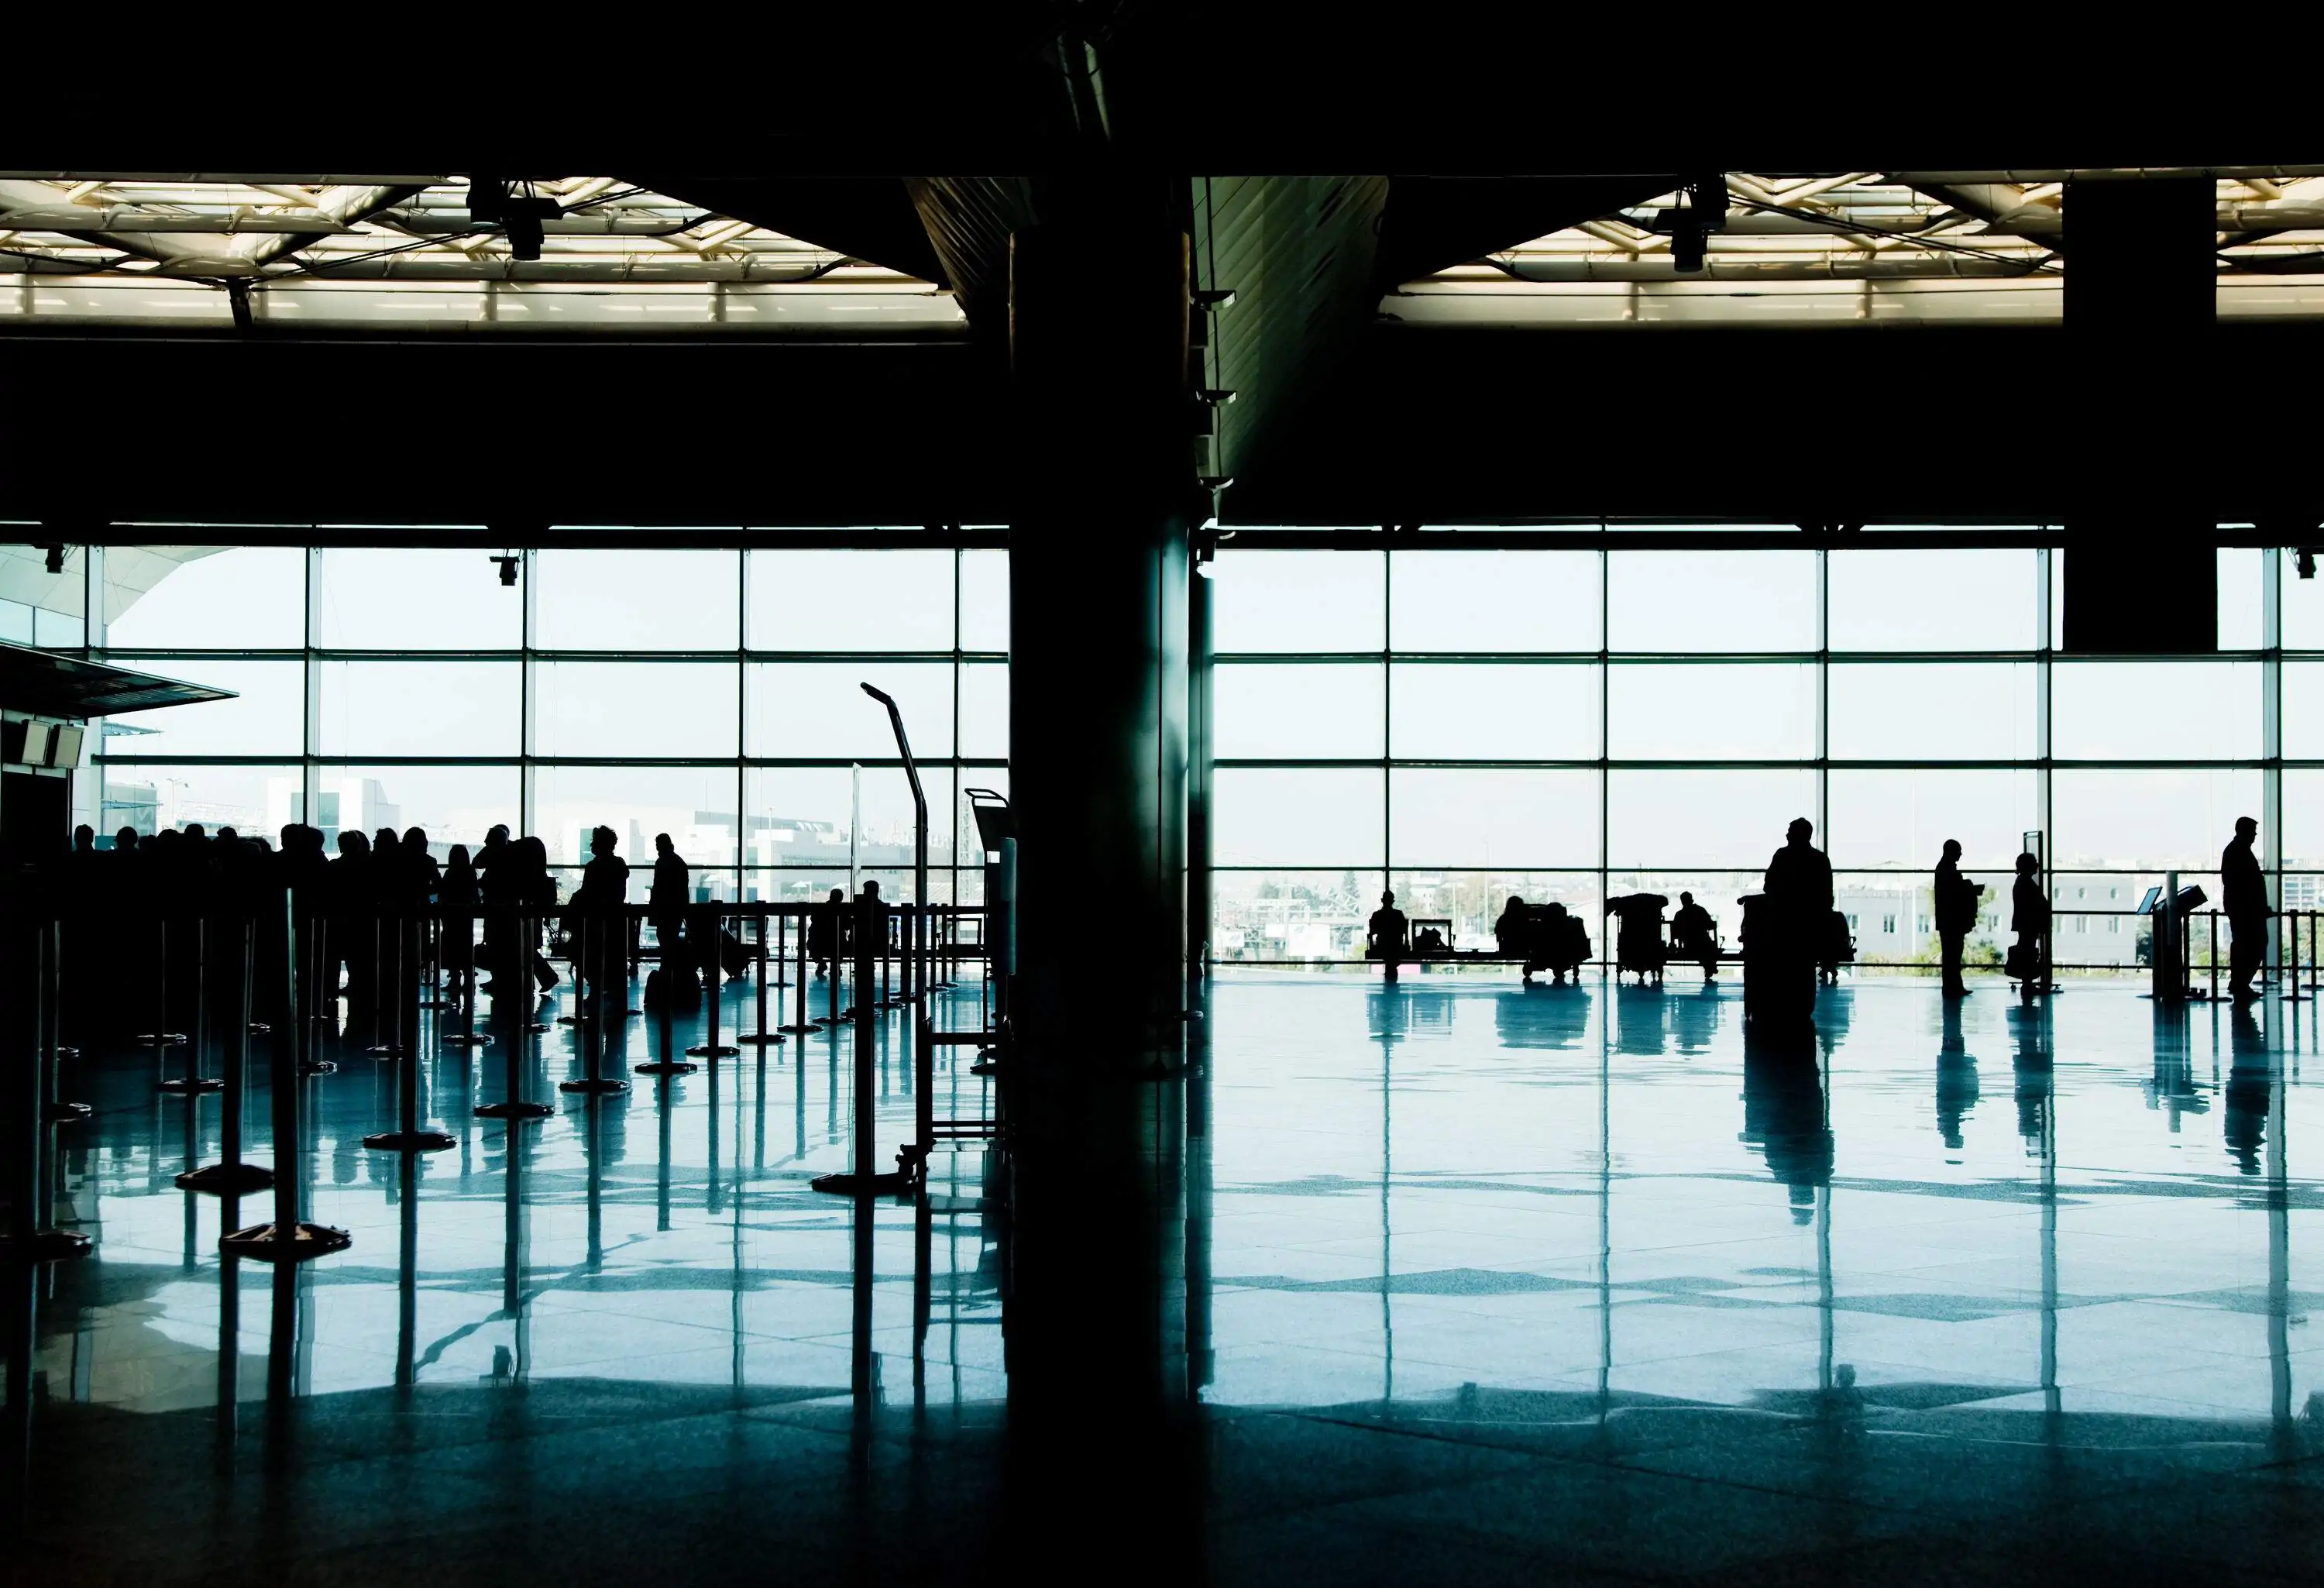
[(436, 1003), (263, 1243), (68, 1055), (48, 1246), (409, 1142), (713, 1051), (478, 1040), (760, 1039), (66, 1113), (800, 1029), (668, 1067), (187, 1086), (258, 1029), (535, 1027), (226, 1179), (319, 1067), (602, 1084), (889, 1185), (893, 1003), (162, 1040), (513, 1111)]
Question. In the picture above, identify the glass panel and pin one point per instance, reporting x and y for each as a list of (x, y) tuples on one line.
[(984, 600), (421, 708), (1494, 601), (1892, 919), (694, 805), (56, 630), (1715, 890), (2242, 599), (430, 598), (801, 815), (1293, 711), (2303, 713), (1264, 816), (1711, 600), (1902, 819), (1491, 711), (634, 709), (2154, 710), (2303, 824), (255, 800), (849, 600), (267, 718), (1758, 711), (636, 600), (16, 623), (1492, 817), (1291, 914), (983, 710), (1935, 711), (1933, 600), (819, 709), (236, 598), (1298, 601), (2302, 607), (1719, 820), (2150, 820), (455, 803)]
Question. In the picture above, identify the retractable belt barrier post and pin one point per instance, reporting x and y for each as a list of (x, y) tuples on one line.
[(407, 1137), (230, 1177), (2293, 991), (390, 971), (591, 1032), (285, 1239), (33, 1236), (311, 969), (713, 989), (161, 1036), (763, 1036), (670, 1063), (804, 1022), (193, 1081), (468, 1036), (54, 1109), (515, 1039), (863, 1180)]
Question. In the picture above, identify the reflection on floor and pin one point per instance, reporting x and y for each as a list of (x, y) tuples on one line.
[(1478, 1282)]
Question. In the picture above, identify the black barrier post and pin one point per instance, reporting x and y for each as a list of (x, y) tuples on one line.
[(230, 1177), (804, 1022), (32, 1237), (763, 1036), (389, 974), (311, 971), (407, 1137), (514, 1041), (839, 919), (54, 1109), (161, 1036), (193, 1081), (589, 1031), (670, 1063), (863, 1180), (468, 1036), (714, 989), (285, 1239)]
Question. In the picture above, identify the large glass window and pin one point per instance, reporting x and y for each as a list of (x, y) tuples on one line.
[(437, 708), (1326, 711), (1496, 711), (1689, 601), (1470, 601), (423, 598), (639, 600)]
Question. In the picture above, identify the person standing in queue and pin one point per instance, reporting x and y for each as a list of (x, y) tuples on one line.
[(668, 896), (1385, 936), (2243, 895), (823, 937), (1798, 890), (2029, 918), (1956, 906)]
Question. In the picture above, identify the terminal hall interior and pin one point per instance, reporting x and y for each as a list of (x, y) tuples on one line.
[(1061, 812)]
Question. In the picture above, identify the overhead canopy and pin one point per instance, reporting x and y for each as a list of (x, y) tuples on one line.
[(46, 683)]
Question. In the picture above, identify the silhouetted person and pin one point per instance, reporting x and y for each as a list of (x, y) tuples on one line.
[(1387, 936), (1797, 890), (83, 839), (668, 897), (2029, 918), (600, 908), (2243, 895), (1956, 899), (228, 835), (823, 932), (353, 920), (1694, 935), (460, 894), (420, 871), (124, 840)]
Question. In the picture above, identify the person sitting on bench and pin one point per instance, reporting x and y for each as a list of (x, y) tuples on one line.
[(1384, 936), (1695, 934)]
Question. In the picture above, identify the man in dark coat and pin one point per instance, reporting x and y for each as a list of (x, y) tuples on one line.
[(1798, 893), (1956, 905), (2242, 894)]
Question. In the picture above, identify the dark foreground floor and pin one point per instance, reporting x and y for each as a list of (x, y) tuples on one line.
[(1476, 1285)]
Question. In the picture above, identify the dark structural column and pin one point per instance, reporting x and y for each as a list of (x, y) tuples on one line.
[(1097, 342), (2141, 388)]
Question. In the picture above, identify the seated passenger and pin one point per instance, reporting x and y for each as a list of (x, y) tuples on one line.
[(1695, 934), (1384, 935)]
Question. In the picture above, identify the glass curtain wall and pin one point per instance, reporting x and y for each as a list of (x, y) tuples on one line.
[(712, 695), (1462, 724)]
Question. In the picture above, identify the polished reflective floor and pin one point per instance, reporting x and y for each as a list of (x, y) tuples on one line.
[(1477, 1283)]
